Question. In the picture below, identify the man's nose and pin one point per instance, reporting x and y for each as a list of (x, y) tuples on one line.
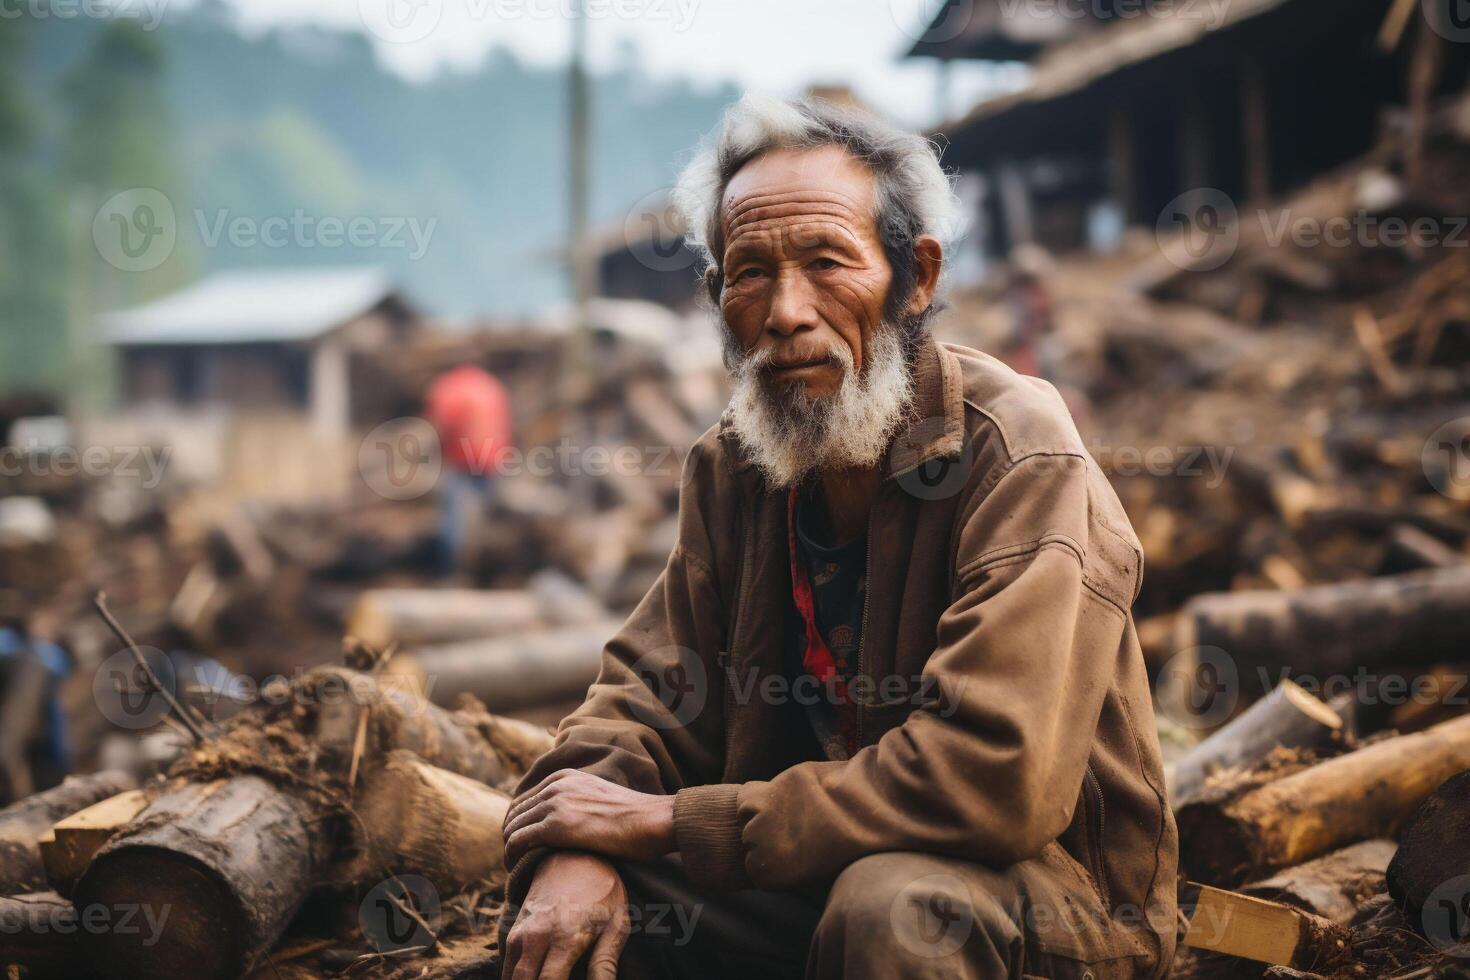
[(793, 307)]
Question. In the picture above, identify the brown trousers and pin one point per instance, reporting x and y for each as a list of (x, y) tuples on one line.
[(894, 915)]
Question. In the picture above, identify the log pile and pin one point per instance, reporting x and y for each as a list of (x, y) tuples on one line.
[(320, 828)]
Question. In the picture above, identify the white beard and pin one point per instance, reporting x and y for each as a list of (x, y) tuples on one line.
[(788, 435)]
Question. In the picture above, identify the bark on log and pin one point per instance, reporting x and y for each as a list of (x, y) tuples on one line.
[(415, 818), (1364, 794), (1333, 885), (1419, 617), (230, 861), (511, 674), (399, 718), (22, 824), (1288, 717), (1433, 849), (38, 935)]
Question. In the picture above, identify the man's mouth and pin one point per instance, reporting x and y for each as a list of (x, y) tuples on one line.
[(794, 368)]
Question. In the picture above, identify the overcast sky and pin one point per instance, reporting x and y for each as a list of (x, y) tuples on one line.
[(775, 46)]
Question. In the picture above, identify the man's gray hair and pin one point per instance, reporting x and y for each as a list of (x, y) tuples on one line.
[(914, 195)]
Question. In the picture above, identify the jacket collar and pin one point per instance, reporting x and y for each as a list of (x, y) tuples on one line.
[(936, 425)]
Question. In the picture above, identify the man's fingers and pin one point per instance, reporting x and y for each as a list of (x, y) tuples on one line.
[(526, 817), (559, 962), (530, 796), (523, 840), (524, 955), (603, 964)]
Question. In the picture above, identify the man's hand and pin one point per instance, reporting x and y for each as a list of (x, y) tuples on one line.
[(573, 810), (576, 901)]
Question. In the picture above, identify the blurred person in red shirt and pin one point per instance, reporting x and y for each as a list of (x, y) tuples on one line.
[(470, 411)]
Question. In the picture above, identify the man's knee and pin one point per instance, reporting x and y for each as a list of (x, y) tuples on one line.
[(920, 906)]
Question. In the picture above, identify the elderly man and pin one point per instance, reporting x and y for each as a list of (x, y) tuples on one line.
[(884, 713)]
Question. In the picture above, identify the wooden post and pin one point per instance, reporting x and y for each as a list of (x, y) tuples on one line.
[(23, 824), (1123, 163), (1256, 126), (1015, 204)]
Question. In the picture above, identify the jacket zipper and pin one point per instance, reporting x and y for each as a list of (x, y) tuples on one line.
[(1095, 834)]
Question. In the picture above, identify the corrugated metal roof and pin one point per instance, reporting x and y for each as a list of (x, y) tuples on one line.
[(252, 306)]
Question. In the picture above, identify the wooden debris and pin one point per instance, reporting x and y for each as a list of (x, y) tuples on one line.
[(509, 674), (23, 824), (69, 846), (1289, 717), (1331, 886), (1364, 794), (1267, 932), (232, 860), (1434, 849)]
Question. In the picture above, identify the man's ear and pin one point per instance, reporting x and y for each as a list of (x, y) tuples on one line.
[(928, 263), (714, 282)]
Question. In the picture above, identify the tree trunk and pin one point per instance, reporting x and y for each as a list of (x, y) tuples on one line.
[(22, 824), (417, 819), (510, 674), (1364, 794), (228, 863), (1331, 886), (38, 934), (415, 617), (1329, 630), (1288, 717)]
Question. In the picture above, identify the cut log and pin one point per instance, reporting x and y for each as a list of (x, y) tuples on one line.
[(398, 718), (1419, 617), (23, 824), (1434, 849), (224, 865), (1333, 885), (1288, 717), (69, 846), (414, 818), (415, 617), (1267, 932), (511, 674), (1361, 795), (38, 937)]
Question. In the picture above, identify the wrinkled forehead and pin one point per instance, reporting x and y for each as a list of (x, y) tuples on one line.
[(826, 186)]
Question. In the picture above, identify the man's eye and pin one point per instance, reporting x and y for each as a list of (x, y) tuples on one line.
[(750, 273), (822, 265)]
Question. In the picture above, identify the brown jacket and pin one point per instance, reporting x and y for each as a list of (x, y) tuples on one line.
[(1009, 707)]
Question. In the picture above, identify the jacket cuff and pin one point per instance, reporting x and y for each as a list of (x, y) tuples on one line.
[(707, 830)]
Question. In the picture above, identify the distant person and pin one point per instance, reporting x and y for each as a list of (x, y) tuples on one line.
[(1033, 325), (470, 411)]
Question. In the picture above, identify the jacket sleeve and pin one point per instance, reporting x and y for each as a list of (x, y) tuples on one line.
[(991, 771), (652, 720)]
